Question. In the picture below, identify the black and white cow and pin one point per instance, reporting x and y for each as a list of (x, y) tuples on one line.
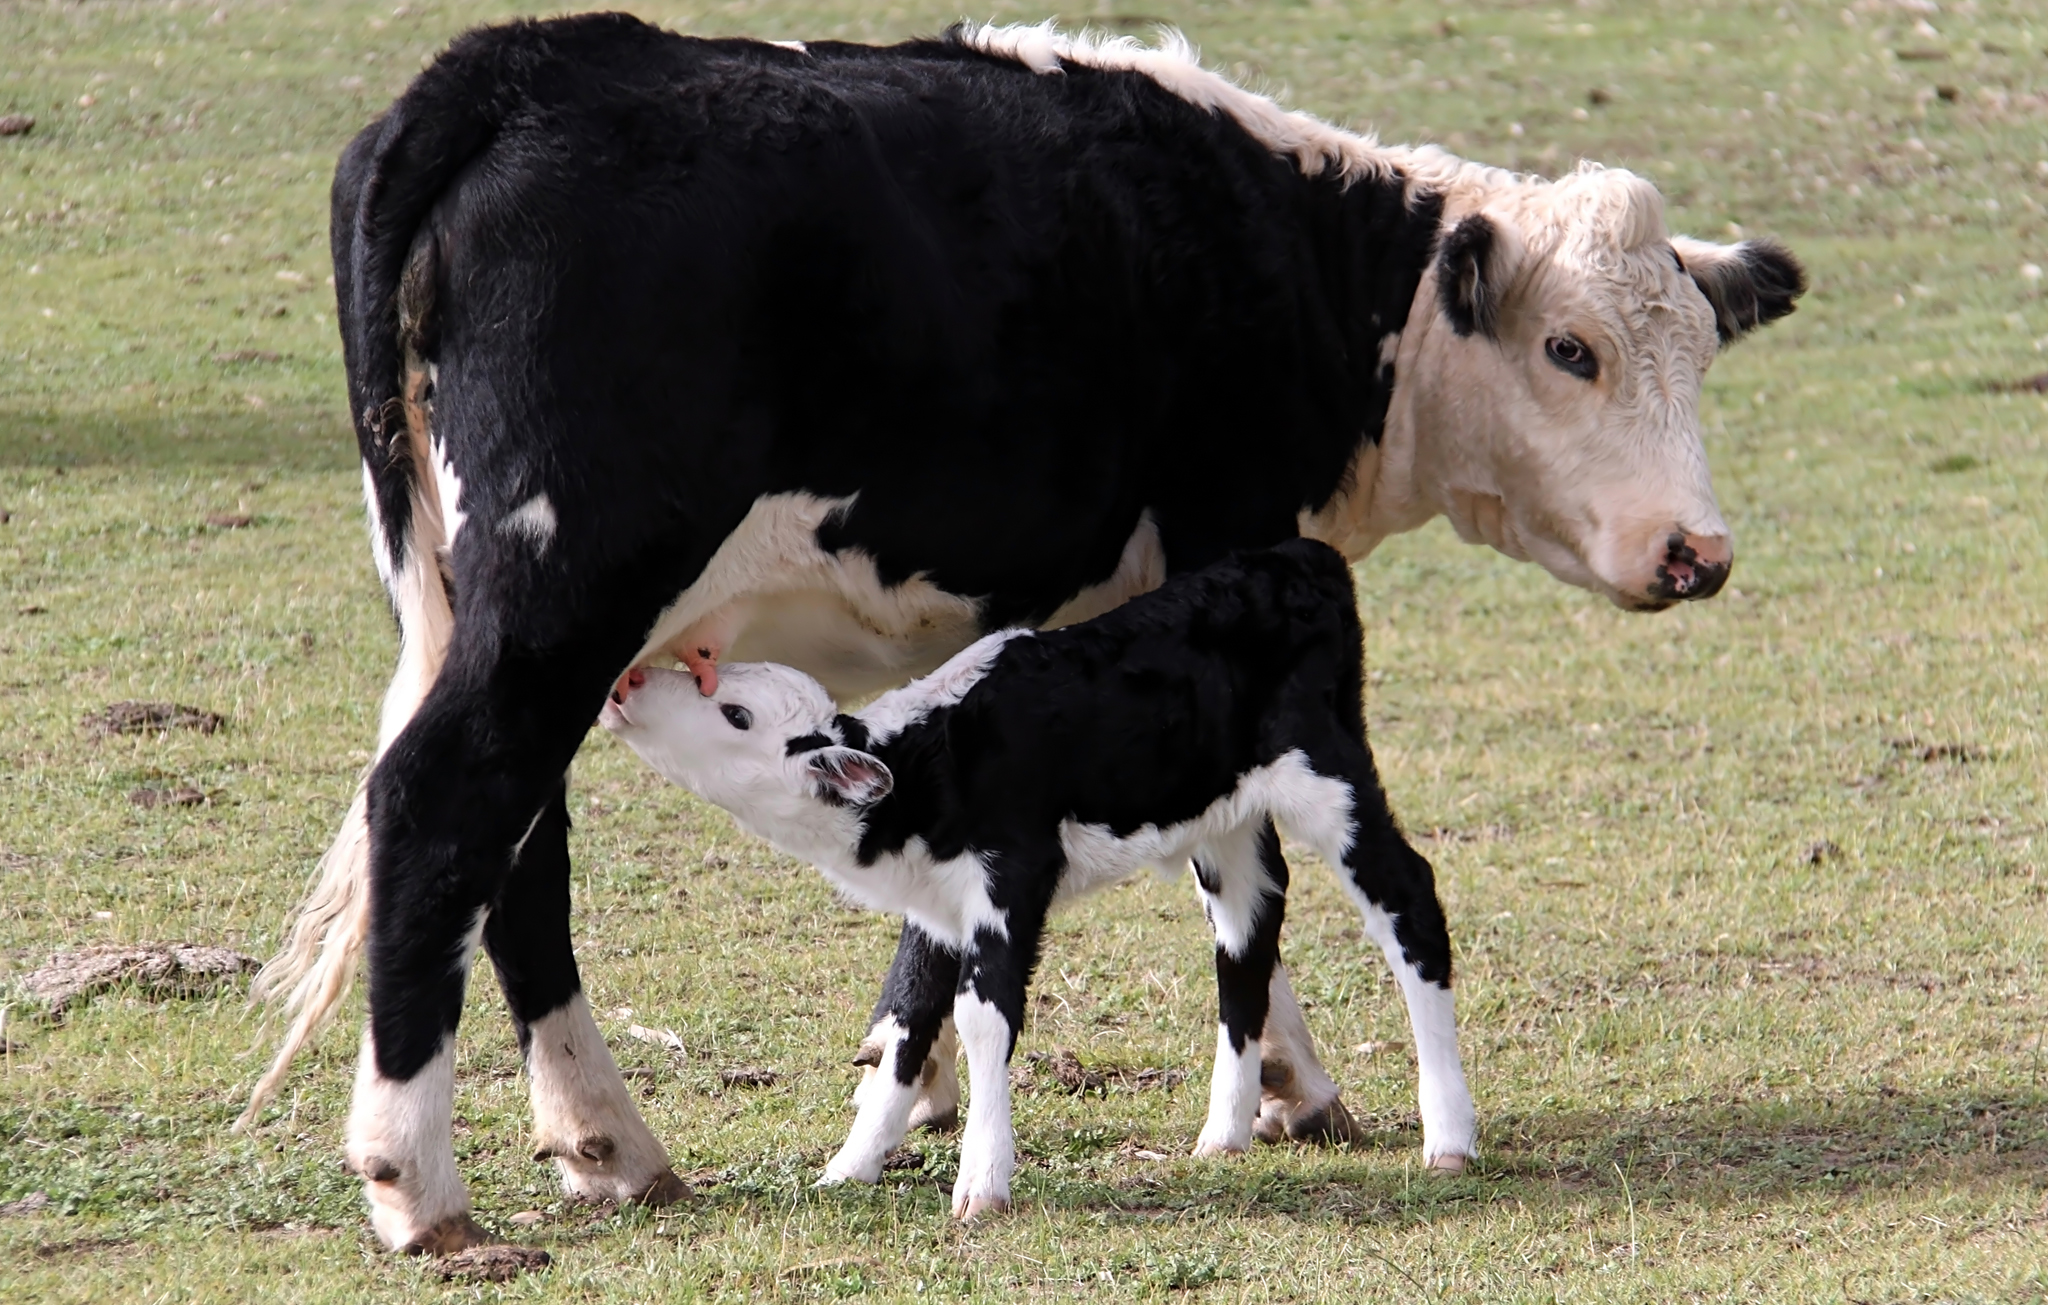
[(842, 357), (1032, 768)]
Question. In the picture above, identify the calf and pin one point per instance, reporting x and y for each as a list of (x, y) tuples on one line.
[(1032, 768)]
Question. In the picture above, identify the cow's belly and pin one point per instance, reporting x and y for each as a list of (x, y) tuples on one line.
[(853, 650)]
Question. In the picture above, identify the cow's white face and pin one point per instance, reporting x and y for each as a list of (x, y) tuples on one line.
[(762, 744), (1556, 382)]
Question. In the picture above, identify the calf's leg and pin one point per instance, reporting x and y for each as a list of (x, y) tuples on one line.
[(915, 982), (584, 1118), (1242, 879), (1394, 887), (988, 1012), (910, 1021)]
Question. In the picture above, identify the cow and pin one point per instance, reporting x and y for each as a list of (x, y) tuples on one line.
[(1033, 768), (843, 356)]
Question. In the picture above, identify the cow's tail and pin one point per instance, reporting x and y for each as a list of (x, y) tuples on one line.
[(386, 274)]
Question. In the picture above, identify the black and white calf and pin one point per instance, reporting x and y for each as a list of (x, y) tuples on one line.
[(1032, 768), (843, 356)]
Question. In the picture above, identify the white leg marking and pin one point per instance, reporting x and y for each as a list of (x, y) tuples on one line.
[(988, 1151), (1233, 1098), (885, 1105), (399, 1143), (584, 1118), (1450, 1127)]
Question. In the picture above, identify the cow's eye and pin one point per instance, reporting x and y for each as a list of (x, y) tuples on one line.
[(1573, 356), (737, 716)]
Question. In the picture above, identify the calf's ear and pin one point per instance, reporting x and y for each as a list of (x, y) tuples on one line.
[(1473, 266), (1749, 284), (849, 776)]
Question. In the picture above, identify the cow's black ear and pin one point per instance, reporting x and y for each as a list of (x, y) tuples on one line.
[(1750, 284), (850, 777), (1469, 279)]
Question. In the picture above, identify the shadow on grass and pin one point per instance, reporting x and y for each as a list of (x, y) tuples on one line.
[(311, 439)]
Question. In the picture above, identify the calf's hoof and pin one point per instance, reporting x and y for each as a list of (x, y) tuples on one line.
[(976, 1206), (451, 1236), (1449, 1164), (1207, 1149)]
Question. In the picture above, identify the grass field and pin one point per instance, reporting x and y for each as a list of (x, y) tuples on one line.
[(1749, 898)]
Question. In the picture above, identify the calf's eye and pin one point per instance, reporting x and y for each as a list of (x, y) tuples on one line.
[(737, 716), (1571, 354)]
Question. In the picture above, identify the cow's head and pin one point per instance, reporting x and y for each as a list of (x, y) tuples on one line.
[(765, 745), (1557, 381)]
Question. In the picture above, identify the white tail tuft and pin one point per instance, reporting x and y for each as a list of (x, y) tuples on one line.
[(312, 975)]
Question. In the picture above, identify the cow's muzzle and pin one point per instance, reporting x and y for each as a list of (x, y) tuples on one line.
[(1694, 567)]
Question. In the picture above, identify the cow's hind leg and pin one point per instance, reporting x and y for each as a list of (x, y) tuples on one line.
[(1243, 881), (911, 1021), (584, 1118), (448, 805), (1394, 887), (1298, 1100)]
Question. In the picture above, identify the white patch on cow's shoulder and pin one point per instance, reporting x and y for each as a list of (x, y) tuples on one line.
[(1140, 570), (448, 489), (534, 520), (899, 709), (583, 1116), (778, 596), (1233, 1098)]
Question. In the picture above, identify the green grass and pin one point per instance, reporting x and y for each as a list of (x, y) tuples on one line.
[(1748, 898)]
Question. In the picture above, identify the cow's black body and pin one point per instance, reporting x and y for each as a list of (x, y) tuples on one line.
[(658, 278)]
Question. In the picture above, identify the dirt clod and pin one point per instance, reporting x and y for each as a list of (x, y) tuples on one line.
[(1823, 851), (151, 717), (229, 520), (182, 796), (162, 970), (1063, 1071), (17, 124), (248, 356), (495, 1263), (750, 1076), (29, 1204)]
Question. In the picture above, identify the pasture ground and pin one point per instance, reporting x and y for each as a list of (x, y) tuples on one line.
[(1749, 899)]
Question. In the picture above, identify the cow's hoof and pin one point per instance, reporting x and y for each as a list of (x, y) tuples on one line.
[(976, 1206), (1330, 1125), (456, 1233), (666, 1189), (1206, 1150), (1449, 1164), (1270, 1126), (498, 1262)]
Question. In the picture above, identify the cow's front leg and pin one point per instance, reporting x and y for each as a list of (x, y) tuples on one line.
[(1243, 882), (910, 1021), (1298, 1099), (584, 1118)]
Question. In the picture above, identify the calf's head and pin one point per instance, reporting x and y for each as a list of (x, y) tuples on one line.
[(1558, 382), (766, 745)]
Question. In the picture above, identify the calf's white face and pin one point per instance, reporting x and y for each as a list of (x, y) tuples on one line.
[(1556, 383), (762, 744)]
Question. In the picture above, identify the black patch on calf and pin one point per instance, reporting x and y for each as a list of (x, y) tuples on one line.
[(1758, 282), (1465, 281), (807, 743)]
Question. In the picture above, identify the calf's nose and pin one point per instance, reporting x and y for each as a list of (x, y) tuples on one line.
[(1693, 567)]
